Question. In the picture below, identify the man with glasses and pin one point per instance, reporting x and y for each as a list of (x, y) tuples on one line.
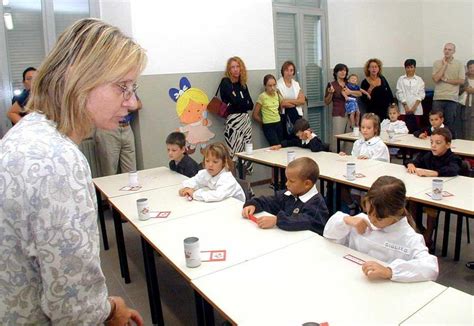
[(17, 110), (116, 148)]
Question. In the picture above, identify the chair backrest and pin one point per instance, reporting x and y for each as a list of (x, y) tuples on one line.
[(466, 169), (245, 187)]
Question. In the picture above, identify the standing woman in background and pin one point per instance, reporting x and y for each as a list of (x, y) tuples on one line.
[(377, 86), (50, 272), (234, 92), (292, 97), (334, 95)]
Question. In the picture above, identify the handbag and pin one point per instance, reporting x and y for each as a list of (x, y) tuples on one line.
[(218, 107)]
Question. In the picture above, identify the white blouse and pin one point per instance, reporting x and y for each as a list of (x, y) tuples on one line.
[(399, 126), (290, 93), (409, 90), (398, 245), (208, 188), (374, 149)]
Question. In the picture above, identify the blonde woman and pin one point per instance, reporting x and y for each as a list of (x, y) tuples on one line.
[(234, 92), (48, 211)]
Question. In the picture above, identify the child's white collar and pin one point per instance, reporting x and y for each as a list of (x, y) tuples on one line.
[(307, 196)]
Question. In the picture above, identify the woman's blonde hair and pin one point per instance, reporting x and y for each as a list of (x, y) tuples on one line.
[(243, 70), (219, 150), (367, 64), (192, 94), (88, 54)]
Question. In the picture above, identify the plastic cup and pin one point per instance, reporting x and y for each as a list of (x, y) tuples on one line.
[(437, 189), (350, 171), (249, 148), (133, 178)]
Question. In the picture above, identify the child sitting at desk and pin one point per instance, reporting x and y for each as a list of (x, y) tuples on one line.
[(440, 162), (436, 122), (301, 207), (370, 146), (392, 123), (306, 138), (385, 234), (180, 161), (215, 182)]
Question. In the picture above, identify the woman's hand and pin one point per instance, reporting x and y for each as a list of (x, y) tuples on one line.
[(123, 315)]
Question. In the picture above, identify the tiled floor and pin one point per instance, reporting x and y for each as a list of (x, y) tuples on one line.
[(178, 298)]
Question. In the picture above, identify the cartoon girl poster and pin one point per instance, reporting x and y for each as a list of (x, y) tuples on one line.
[(191, 107)]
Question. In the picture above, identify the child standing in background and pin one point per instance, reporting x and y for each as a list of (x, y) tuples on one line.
[(301, 207), (267, 111), (180, 161), (370, 146), (215, 182), (385, 234)]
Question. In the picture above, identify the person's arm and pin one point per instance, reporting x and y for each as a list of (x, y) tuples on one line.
[(420, 132), (401, 127), (316, 145), (14, 113), (292, 142), (225, 187), (439, 70), (340, 225), (312, 216), (452, 168), (196, 181), (389, 93), (257, 112), (421, 267), (381, 152), (270, 204), (367, 87), (400, 93), (329, 94)]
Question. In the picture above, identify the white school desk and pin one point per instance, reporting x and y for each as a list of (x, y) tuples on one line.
[(161, 199), (149, 179), (461, 203), (109, 187), (461, 147), (452, 307), (310, 281), (220, 228)]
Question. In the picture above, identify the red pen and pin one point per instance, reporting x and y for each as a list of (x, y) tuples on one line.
[(252, 218)]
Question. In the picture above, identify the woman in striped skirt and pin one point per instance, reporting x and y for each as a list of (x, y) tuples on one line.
[(234, 92)]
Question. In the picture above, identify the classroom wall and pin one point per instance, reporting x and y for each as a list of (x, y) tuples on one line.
[(194, 39), (394, 30)]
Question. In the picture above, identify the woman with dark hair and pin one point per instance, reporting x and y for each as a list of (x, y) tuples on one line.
[(292, 97), (377, 86), (335, 91), (234, 92)]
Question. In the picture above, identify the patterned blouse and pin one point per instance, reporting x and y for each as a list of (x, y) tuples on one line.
[(49, 240)]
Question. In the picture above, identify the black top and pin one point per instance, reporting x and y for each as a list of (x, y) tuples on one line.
[(237, 96), (187, 166), (380, 98), (292, 214), (22, 99), (428, 131), (315, 144), (447, 165)]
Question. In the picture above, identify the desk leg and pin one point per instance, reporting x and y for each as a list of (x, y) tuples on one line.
[(330, 196), (103, 229), (447, 220), (282, 179), (199, 308), (457, 248), (154, 297), (338, 142), (338, 197), (240, 167), (208, 313), (276, 179), (122, 252)]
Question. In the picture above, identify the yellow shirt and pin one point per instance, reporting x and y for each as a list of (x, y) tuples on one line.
[(270, 105)]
